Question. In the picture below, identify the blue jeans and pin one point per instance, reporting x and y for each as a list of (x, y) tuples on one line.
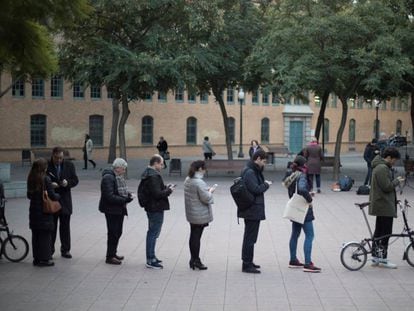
[(318, 180), (307, 245), (155, 220)]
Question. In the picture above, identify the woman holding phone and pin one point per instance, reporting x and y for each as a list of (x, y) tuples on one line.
[(198, 211)]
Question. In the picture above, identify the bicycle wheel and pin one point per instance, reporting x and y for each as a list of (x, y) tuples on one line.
[(409, 254), (15, 248), (353, 256)]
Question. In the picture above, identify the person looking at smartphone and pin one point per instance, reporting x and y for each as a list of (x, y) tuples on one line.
[(63, 176), (198, 200), (158, 194)]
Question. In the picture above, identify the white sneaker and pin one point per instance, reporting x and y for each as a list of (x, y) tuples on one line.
[(387, 264)]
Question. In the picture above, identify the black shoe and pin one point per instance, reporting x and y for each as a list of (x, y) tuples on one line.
[(43, 263), (113, 261), (119, 257), (250, 269), (84, 168), (66, 255), (158, 260), (255, 266), (197, 264)]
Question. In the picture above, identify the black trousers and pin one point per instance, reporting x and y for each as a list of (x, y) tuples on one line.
[(64, 232), (114, 224), (85, 159), (383, 226), (41, 242), (208, 155), (195, 237), (251, 231)]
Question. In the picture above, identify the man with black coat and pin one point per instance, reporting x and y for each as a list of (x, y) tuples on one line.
[(157, 203), (63, 176), (255, 183), (162, 147), (370, 152)]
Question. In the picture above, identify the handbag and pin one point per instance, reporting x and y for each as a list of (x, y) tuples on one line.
[(296, 208), (50, 206), (167, 155)]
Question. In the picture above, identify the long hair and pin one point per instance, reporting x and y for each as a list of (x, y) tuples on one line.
[(36, 175), (195, 166)]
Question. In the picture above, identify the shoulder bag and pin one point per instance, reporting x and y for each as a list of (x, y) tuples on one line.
[(296, 208), (50, 206)]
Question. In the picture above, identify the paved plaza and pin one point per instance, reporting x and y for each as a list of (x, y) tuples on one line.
[(85, 282)]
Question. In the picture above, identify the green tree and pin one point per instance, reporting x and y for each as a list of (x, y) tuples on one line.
[(135, 47), (26, 34)]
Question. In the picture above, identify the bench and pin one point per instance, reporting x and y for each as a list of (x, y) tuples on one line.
[(276, 150), (226, 167), (329, 162)]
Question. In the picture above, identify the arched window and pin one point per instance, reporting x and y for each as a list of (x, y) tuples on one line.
[(398, 128), (191, 131), (38, 130), (352, 125), (96, 127), (231, 127), (264, 131), (326, 130), (147, 130)]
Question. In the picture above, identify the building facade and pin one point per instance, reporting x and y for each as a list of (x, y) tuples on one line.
[(45, 113)]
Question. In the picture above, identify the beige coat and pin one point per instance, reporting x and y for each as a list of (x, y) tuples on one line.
[(198, 201)]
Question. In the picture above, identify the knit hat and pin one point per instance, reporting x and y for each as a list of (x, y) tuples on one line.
[(300, 161)]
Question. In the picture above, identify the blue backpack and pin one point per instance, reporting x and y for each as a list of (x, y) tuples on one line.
[(345, 183)]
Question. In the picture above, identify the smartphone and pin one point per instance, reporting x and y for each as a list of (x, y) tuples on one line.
[(172, 186), (214, 186)]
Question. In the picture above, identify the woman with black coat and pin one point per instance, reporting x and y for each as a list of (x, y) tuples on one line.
[(40, 223)]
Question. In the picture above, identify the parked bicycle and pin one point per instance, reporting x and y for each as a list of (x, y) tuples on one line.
[(354, 254), (14, 247)]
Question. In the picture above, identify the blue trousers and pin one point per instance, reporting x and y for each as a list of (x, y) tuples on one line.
[(307, 245), (155, 220)]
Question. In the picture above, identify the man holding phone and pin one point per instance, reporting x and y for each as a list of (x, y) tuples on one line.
[(63, 176), (157, 203)]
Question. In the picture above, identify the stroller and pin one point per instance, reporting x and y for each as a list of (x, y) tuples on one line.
[(14, 247)]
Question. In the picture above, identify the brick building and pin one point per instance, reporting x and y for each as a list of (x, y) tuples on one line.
[(45, 113)]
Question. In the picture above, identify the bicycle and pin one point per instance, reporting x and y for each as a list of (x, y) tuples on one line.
[(14, 247), (354, 254)]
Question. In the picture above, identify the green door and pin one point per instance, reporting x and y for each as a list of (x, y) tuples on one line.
[(296, 136)]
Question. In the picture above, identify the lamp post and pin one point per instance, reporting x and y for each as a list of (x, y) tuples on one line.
[(241, 98), (377, 104)]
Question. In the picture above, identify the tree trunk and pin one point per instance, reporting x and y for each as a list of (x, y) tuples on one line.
[(121, 129), (321, 116), (219, 98), (114, 130), (337, 155), (412, 117)]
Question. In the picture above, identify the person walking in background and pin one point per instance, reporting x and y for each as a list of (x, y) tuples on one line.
[(383, 203), (371, 150), (40, 223), (254, 146), (208, 149), (314, 156), (158, 194), (298, 182), (62, 173), (114, 198), (198, 199), (162, 147), (87, 152), (254, 180)]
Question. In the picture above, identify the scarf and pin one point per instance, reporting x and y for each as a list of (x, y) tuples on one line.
[(122, 187)]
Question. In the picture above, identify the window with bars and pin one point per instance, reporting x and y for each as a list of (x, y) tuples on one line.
[(162, 96), (56, 87), (230, 95), (78, 90), (204, 98), (179, 95), (326, 130), (18, 88), (148, 97), (398, 128), (38, 130), (352, 128), (334, 100), (38, 88), (255, 97), (95, 93), (265, 98), (147, 129), (275, 100), (109, 94), (96, 129), (191, 97), (264, 131), (191, 136)]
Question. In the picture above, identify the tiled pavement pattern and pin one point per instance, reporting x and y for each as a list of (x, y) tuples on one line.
[(87, 283)]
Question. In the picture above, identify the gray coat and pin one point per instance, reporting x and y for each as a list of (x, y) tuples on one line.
[(198, 201)]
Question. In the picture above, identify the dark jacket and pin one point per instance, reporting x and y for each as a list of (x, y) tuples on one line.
[(314, 155), (157, 191), (252, 151), (67, 171), (162, 146), (111, 202), (382, 196), (255, 183), (302, 185), (37, 219), (370, 152)]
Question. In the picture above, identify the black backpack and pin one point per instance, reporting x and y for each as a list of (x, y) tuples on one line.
[(143, 196), (363, 190), (243, 198)]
